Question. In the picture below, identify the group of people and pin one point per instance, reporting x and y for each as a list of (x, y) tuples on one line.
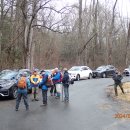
[(56, 81)]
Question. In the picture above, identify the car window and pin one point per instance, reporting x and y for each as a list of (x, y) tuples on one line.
[(75, 69), (84, 68), (101, 68), (28, 73)]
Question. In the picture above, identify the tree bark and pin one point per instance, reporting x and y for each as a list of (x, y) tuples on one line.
[(127, 47), (110, 38), (80, 31)]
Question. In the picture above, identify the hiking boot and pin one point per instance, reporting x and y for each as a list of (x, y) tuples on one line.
[(57, 97), (16, 109), (36, 99), (27, 109), (44, 103)]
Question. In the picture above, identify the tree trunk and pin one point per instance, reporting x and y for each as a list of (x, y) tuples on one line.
[(1, 31), (110, 38), (127, 47), (80, 31)]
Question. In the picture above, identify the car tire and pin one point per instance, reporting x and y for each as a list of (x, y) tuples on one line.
[(90, 76), (78, 77), (14, 92), (104, 75)]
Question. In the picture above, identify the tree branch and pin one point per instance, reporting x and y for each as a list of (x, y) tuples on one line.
[(81, 51), (49, 29)]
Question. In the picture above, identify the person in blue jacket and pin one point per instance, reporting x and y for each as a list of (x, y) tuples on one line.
[(44, 87), (57, 80)]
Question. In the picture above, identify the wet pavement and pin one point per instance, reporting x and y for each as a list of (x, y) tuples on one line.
[(89, 109)]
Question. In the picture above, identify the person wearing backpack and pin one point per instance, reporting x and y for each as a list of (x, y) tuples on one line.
[(35, 80), (65, 82), (44, 87), (22, 84), (57, 79)]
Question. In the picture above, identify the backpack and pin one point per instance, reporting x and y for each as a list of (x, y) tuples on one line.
[(49, 81), (61, 77), (22, 82)]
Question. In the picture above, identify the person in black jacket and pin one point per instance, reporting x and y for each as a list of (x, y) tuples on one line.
[(117, 79), (65, 82)]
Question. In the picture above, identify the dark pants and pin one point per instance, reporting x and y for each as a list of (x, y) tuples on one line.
[(115, 87), (18, 100), (53, 89), (44, 95), (66, 91)]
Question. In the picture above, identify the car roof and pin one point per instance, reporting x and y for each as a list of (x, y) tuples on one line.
[(80, 66)]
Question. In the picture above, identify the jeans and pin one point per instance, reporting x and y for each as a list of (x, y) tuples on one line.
[(115, 87), (25, 98), (44, 95), (66, 91)]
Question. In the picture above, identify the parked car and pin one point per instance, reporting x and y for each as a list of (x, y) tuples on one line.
[(80, 72), (5, 71), (8, 83), (104, 71), (126, 72)]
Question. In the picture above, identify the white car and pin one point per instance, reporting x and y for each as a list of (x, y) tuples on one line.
[(126, 72), (80, 72)]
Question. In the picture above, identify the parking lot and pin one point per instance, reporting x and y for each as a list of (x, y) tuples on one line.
[(89, 109)]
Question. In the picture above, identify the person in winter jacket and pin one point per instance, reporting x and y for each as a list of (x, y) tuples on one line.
[(22, 91), (44, 87), (53, 87), (117, 82), (57, 79), (65, 82), (35, 79)]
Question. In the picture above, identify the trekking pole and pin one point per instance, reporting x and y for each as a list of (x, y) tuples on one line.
[(62, 92)]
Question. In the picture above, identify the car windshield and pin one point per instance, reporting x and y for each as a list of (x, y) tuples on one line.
[(8, 75), (101, 68), (5, 72), (75, 69)]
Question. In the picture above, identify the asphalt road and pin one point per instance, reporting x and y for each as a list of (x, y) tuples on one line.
[(89, 109)]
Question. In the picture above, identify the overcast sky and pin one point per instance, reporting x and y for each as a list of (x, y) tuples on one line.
[(122, 5)]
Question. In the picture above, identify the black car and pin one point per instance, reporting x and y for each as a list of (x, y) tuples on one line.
[(104, 71), (8, 83)]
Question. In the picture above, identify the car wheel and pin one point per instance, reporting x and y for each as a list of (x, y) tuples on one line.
[(14, 92), (78, 77), (90, 76), (104, 75)]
